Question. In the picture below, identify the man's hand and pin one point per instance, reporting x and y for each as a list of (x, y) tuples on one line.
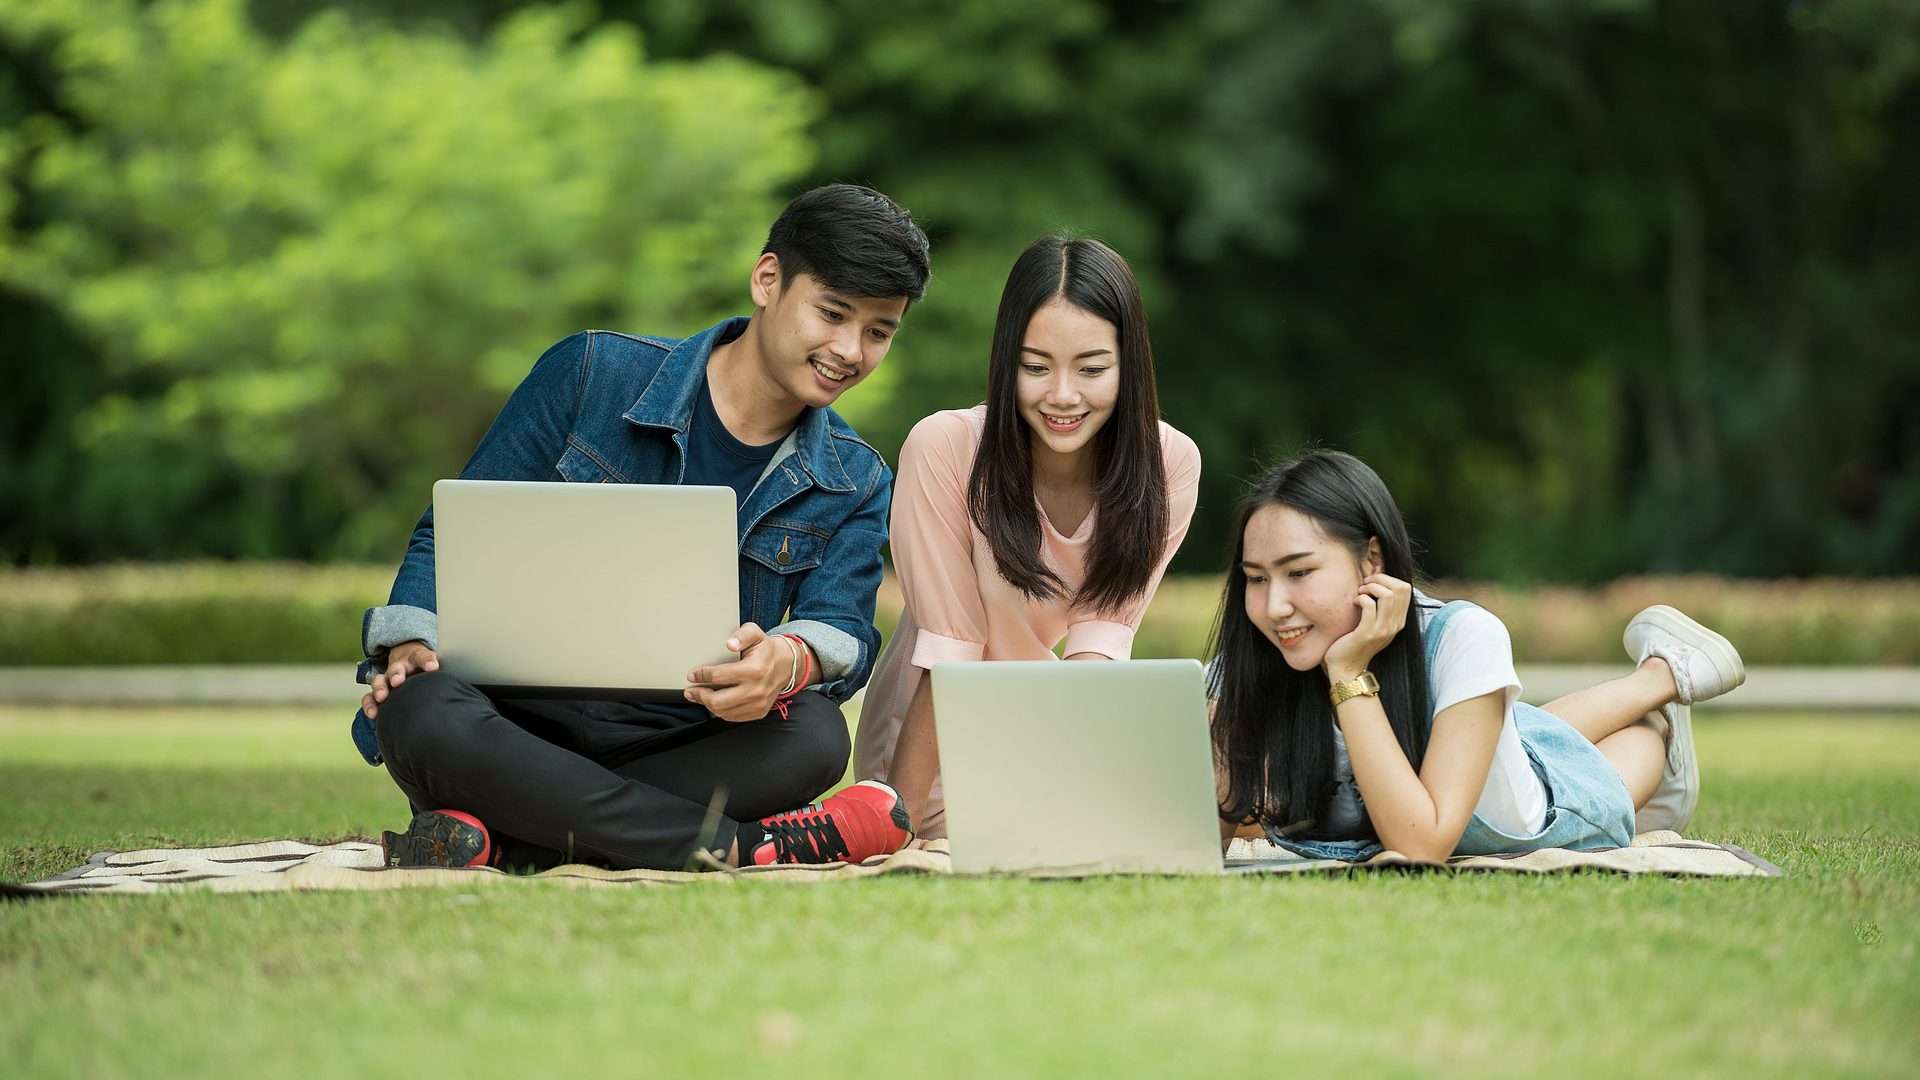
[(404, 659), (745, 689)]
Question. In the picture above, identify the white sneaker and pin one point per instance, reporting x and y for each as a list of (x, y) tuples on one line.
[(1705, 665)]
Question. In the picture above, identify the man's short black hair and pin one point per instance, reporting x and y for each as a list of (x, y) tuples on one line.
[(852, 239)]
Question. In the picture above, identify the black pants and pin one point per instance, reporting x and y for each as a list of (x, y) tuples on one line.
[(615, 784)]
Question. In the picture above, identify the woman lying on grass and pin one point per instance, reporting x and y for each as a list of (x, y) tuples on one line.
[(1352, 712)]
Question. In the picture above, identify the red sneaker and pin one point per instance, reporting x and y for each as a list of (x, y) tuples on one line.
[(439, 838), (852, 825)]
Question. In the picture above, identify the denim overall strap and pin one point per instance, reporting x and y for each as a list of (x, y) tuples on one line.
[(1434, 628)]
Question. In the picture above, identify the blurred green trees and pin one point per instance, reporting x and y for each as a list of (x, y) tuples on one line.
[(1600, 287), (310, 269)]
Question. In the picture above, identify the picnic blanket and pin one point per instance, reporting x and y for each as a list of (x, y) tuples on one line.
[(293, 865)]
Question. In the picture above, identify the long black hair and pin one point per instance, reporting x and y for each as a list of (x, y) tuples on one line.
[(1131, 487), (1272, 725)]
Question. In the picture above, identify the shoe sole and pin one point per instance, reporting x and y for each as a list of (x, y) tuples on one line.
[(1717, 649), (1688, 765), (1675, 797), (434, 839)]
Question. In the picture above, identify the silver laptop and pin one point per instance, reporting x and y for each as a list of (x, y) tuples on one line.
[(556, 589), (1077, 767)]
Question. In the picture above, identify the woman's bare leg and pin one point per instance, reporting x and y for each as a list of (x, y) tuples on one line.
[(1608, 714), (1601, 710), (1638, 753)]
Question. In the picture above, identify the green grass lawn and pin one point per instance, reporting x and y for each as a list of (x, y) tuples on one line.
[(1382, 973)]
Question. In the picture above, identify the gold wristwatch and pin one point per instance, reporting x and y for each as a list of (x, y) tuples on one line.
[(1361, 685)]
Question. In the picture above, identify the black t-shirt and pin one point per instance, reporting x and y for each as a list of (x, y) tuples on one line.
[(715, 457)]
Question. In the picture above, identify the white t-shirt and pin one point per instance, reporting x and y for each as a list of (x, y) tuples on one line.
[(1475, 657)]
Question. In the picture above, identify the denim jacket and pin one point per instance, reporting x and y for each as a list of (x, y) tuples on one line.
[(810, 533)]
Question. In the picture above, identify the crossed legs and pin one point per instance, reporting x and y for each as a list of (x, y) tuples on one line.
[(615, 784), (1609, 714)]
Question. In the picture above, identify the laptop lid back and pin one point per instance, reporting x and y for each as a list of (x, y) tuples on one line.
[(1077, 766), (573, 589)]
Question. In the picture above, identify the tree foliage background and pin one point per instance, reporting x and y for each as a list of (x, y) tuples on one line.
[(1599, 286)]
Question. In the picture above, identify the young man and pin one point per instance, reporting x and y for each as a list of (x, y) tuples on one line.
[(746, 404)]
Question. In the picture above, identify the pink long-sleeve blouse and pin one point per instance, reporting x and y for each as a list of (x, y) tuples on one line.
[(958, 607)]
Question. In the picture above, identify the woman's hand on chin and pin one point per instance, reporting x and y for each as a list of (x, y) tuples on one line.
[(1383, 601)]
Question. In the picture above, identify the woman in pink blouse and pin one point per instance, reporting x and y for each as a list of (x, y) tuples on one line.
[(1047, 514)]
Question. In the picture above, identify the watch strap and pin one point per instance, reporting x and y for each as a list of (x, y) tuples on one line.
[(1361, 685)]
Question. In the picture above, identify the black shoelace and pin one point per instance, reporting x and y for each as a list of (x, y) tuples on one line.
[(805, 838)]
